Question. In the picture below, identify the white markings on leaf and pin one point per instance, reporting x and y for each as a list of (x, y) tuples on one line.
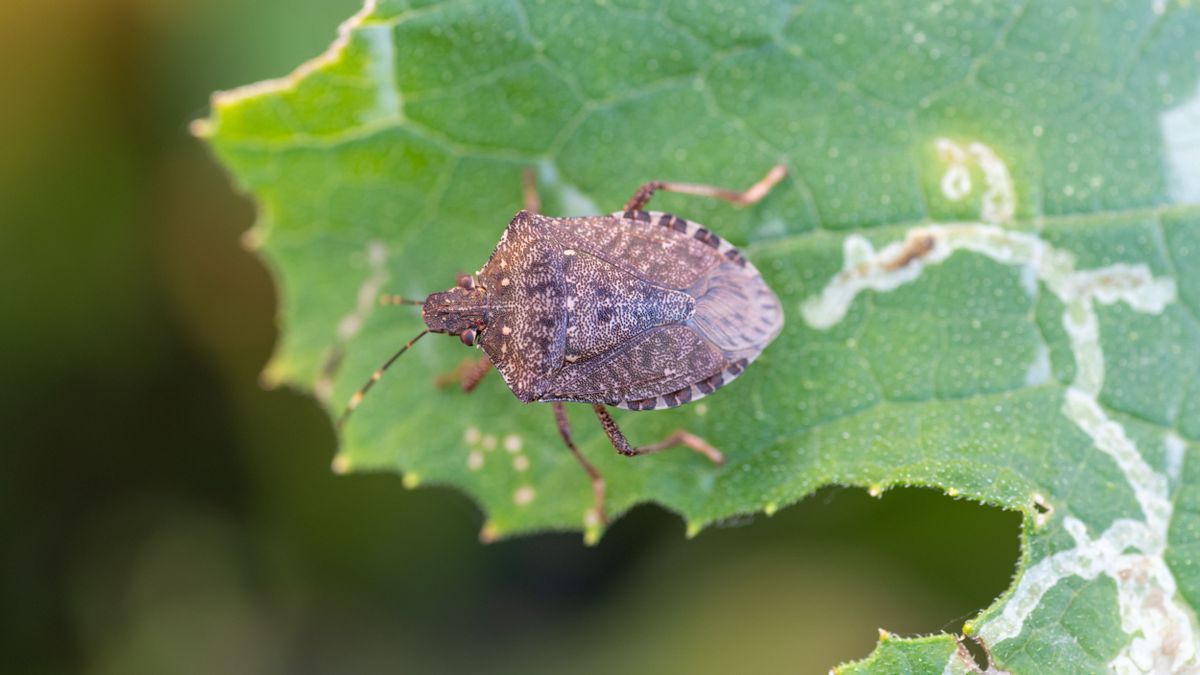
[(864, 269), (524, 495), (999, 200), (1163, 638), (1181, 145), (1131, 284), (512, 443), (368, 293), (350, 324), (956, 181), (1149, 487), (573, 202), (480, 445), (999, 197), (1029, 281), (382, 69), (1130, 551), (1175, 448), (1038, 372)]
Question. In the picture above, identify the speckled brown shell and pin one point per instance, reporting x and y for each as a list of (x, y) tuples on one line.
[(640, 310)]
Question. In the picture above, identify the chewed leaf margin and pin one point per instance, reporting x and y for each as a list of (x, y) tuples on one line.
[(886, 318)]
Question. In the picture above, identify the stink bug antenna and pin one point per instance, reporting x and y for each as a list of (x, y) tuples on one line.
[(358, 395), (397, 300)]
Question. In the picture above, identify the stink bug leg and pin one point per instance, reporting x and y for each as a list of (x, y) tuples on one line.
[(564, 428), (678, 437), (635, 310), (744, 198), (533, 203), (468, 374)]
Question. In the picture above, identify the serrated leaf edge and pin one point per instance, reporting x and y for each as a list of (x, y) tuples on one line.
[(1161, 627)]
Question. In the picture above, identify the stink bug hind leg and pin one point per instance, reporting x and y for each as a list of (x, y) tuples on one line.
[(678, 437), (745, 197), (564, 428)]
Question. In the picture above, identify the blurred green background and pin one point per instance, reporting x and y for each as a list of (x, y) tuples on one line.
[(162, 513)]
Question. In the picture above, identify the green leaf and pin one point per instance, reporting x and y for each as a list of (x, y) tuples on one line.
[(990, 272), (911, 655)]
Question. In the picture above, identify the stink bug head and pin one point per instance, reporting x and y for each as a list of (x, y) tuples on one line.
[(459, 311)]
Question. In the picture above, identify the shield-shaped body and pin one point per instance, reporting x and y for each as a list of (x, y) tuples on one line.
[(639, 310)]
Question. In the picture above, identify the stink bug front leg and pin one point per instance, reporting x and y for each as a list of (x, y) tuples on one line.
[(533, 203), (468, 374), (678, 437), (744, 198)]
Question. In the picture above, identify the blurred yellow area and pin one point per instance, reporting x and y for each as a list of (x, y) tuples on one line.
[(162, 513)]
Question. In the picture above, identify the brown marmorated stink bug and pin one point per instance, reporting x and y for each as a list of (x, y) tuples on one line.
[(639, 310)]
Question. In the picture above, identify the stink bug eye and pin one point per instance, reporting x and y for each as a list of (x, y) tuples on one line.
[(468, 337)]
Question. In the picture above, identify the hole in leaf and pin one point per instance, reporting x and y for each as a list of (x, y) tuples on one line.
[(976, 651), (809, 586)]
